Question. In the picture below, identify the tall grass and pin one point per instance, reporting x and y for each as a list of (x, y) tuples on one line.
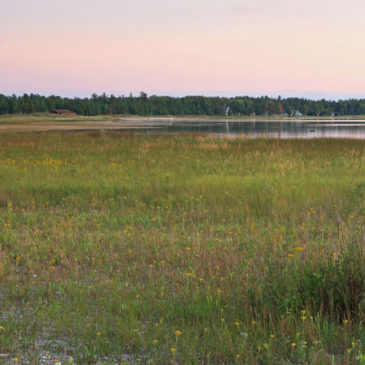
[(161, 249)]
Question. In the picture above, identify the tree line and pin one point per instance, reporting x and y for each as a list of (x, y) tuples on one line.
[(143, 104)]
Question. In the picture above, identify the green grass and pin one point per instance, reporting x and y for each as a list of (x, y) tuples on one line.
[(159, 249), (26, 119)]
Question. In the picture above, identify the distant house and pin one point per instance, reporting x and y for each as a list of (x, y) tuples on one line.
[(63, 112), (296, 113)]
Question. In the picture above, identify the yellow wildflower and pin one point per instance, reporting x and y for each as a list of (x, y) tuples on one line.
[(298, 249)]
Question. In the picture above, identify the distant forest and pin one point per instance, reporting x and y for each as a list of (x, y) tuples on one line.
[(188, 105)]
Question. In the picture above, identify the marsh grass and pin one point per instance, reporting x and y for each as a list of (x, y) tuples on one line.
[(49, 117), (162, 249)]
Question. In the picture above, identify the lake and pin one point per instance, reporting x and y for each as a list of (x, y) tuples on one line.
[(261, 128), (271, 128)]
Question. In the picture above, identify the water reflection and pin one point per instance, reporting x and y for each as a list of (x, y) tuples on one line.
[(273, 129)]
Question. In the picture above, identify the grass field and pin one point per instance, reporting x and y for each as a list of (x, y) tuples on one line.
[(156, 249)]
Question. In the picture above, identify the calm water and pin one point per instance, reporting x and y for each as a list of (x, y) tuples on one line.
[(217, 127), (275, 129)]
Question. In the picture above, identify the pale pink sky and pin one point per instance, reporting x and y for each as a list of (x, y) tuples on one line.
[(309, 48)]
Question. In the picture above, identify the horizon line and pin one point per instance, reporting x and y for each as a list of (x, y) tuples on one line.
[(317, 96)]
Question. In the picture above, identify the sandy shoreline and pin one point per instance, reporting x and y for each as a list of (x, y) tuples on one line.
[(65, 127)]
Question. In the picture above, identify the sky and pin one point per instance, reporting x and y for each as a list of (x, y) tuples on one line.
[(309, 48)]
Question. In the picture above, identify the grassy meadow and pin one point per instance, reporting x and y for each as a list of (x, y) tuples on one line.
[(118, 248)]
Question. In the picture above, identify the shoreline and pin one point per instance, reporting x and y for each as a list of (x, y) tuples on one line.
[(45, 123)]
